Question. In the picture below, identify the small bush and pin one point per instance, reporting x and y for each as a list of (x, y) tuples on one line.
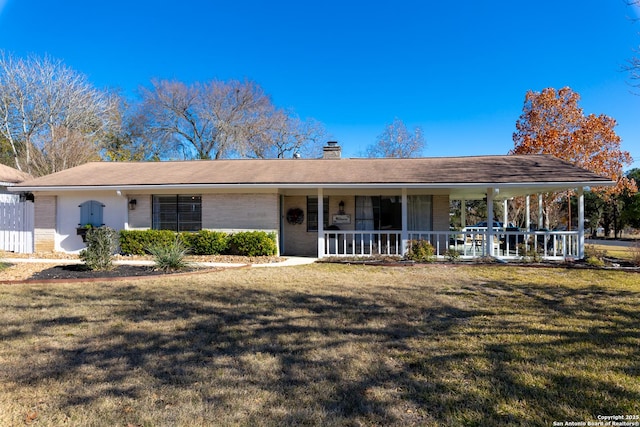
[(529, 254), (207, 242), (590, 251), (421, 251), (253, 243), (169, 257), (101, 245), (635, 253), (452, 255), (594, 261)]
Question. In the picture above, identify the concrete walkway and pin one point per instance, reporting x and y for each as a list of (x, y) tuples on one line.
[(288, 262)]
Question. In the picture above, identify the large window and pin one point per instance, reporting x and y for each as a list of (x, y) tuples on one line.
[(312, 213), (177, 212), (385, 212), (378, 213)]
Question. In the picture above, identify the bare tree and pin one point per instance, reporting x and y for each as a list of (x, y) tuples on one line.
[(283, 135), (398, 141), (202, 120), (221, 119), (128, 140), (633, 64), (45, 109)]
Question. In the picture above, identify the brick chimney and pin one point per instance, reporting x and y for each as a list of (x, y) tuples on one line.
[(331, 151)]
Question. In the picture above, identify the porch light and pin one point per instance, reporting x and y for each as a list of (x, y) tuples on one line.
[(341, 207), (132, 204)]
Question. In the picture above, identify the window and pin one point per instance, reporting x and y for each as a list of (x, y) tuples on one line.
[(385, 212), (378, 213), (177, 212), (419, 210), (312, 213), (91, 213)]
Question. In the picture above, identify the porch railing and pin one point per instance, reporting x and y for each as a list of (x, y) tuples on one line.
[(552, 245)]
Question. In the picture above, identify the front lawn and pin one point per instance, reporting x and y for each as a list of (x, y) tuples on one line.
[(324, 345)]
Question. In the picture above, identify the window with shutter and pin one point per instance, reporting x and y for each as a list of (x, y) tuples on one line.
[(91, 213)]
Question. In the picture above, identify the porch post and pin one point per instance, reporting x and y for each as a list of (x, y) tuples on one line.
[(320, 223), (528, 213), (505, 213), (463, 213), (405, 222), (489, 242), (580, 222), (540, 218)]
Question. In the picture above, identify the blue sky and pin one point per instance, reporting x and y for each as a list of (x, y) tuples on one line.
[(459, 70)]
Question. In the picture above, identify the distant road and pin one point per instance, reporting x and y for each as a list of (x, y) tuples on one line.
[(609, 242)]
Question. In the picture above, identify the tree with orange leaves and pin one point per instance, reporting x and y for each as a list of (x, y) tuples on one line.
[(552, 122)]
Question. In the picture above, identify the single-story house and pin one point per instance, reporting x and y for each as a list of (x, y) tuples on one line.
[(317, 207)]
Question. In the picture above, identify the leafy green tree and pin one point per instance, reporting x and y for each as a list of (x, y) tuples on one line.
[(631, 210)]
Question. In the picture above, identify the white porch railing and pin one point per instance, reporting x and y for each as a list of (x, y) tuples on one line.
[(551, 245)]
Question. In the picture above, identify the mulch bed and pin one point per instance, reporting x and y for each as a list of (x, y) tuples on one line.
[(79, 271)]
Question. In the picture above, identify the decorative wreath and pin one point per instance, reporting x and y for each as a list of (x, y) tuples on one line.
[(295, 216)]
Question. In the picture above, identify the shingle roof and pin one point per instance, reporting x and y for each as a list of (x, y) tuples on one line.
[(8, 174), (436, 170)]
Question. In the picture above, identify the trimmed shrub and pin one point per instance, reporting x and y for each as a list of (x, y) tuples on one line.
[(253, 243), (206, 242), (101, 245), (169, 257), (421, 251), (135, 242)]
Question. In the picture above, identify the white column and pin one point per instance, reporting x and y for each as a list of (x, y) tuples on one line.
[(528, 212), (505, 213), (580, 222), (463, 213), (489, 241), (405, 222), (320, 223), (540, 218)]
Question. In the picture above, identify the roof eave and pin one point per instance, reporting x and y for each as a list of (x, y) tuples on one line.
[(67, 188)]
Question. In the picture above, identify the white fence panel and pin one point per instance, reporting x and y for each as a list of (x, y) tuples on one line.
[(16, 225)]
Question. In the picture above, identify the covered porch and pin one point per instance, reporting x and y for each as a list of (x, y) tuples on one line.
[(497, 239)]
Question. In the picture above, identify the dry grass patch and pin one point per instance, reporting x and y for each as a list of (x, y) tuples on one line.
[(324, 345)]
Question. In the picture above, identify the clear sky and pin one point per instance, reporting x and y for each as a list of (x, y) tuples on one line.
[(458, 69)]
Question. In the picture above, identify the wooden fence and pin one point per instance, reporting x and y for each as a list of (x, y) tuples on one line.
[(16, 224)]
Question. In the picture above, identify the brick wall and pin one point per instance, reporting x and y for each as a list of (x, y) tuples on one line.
[(45, 223), (240, 211), (140, 217)]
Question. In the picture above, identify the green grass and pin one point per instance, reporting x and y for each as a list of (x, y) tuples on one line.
[(324, 345), (621, 252)]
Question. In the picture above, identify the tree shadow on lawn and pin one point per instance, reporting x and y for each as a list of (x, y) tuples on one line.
[(493, 354)]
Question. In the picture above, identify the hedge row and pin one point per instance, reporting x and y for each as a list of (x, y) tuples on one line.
[(204, 242)]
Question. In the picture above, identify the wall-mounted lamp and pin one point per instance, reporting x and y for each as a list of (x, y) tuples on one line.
[(132, 204), (341, 207)]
